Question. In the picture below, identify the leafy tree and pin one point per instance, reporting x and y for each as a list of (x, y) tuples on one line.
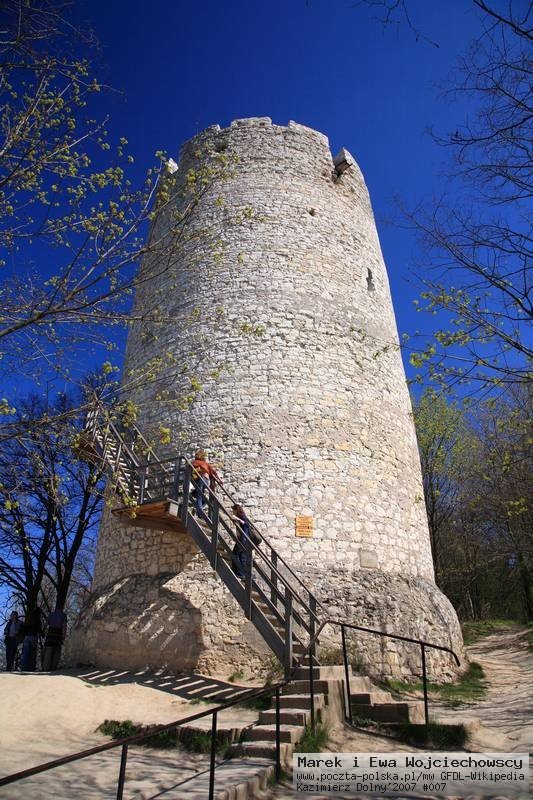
[(73, 218), (442, 441), (50, 503), (477, 237), (478, 482)]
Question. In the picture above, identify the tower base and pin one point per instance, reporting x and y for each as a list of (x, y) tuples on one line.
[(190, 622)]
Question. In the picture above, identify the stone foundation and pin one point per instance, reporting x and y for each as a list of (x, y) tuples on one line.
[(190, 622)]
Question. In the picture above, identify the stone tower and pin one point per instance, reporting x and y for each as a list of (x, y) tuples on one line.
[(277, 350)]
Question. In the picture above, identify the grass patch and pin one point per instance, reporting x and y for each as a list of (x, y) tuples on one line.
[(362, 722), (261, 703), (436, 735), (313, 741), (118, 729), (238, 675), (470, 686), (184, 738), (472, 631), (334, 656)]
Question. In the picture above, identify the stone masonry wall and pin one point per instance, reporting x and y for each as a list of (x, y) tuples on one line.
[(277, 351)]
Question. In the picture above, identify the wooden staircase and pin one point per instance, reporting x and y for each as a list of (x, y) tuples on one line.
[(160, 494)]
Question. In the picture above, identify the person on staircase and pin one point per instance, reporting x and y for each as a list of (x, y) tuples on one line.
[(241, 556), (240, 559), (204, 476)]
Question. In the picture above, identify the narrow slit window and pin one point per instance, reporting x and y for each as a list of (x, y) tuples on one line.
[(370, 285)]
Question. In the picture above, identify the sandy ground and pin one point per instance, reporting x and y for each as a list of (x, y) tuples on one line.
[(47, 716)]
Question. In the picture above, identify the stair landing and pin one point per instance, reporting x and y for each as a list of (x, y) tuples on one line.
[(161, 515)]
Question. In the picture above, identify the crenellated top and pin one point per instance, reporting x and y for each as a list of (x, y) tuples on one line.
[(252, 135)]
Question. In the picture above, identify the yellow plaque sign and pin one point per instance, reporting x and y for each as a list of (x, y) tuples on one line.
[(304, 527)]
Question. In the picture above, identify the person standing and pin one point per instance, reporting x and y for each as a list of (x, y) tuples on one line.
[(32, 628), (204, 476), (55, 636), (240, 559), (12, 639)]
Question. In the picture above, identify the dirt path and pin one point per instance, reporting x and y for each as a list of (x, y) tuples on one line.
[(502, 721), (506, 713)]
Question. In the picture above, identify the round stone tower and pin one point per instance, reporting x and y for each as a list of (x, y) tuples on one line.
[(272, 340)]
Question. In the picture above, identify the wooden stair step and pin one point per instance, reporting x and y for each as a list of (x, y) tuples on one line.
[(370, 698)]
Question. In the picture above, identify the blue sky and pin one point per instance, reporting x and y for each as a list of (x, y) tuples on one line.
[(325, 63), (181, 66)]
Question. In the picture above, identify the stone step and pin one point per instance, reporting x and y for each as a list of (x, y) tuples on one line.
[(395, 712), (370, 698), (264, 733), (323, 673), (302, 687), (265, 749), (301, 701), (236, 779), (287, 716)]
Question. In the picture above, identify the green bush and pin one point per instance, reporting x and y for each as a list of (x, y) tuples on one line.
[(191, 740), (119, 729), (333, 656), (257, 703), (313, 741)]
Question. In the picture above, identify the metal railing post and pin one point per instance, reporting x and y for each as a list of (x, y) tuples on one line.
[(425, 684), (186, 492), (142, 486), (178, 472), (248, 577), (122, 772), (214, 533), (347, 674), (213, 756), (274, 577), (288, 631), (312, 690), (278, 739)]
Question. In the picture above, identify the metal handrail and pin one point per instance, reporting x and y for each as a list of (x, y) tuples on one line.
[(151, 731), (423, 645), (101, 410), (125, 742), (264, 538), (263, 556)]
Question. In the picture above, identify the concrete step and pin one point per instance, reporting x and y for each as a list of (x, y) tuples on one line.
[(301, 701), (302, 687), (236, 779), (267, 733), (265, 749), (323, 673), (287, 716), (370, 698), (394, 712)]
